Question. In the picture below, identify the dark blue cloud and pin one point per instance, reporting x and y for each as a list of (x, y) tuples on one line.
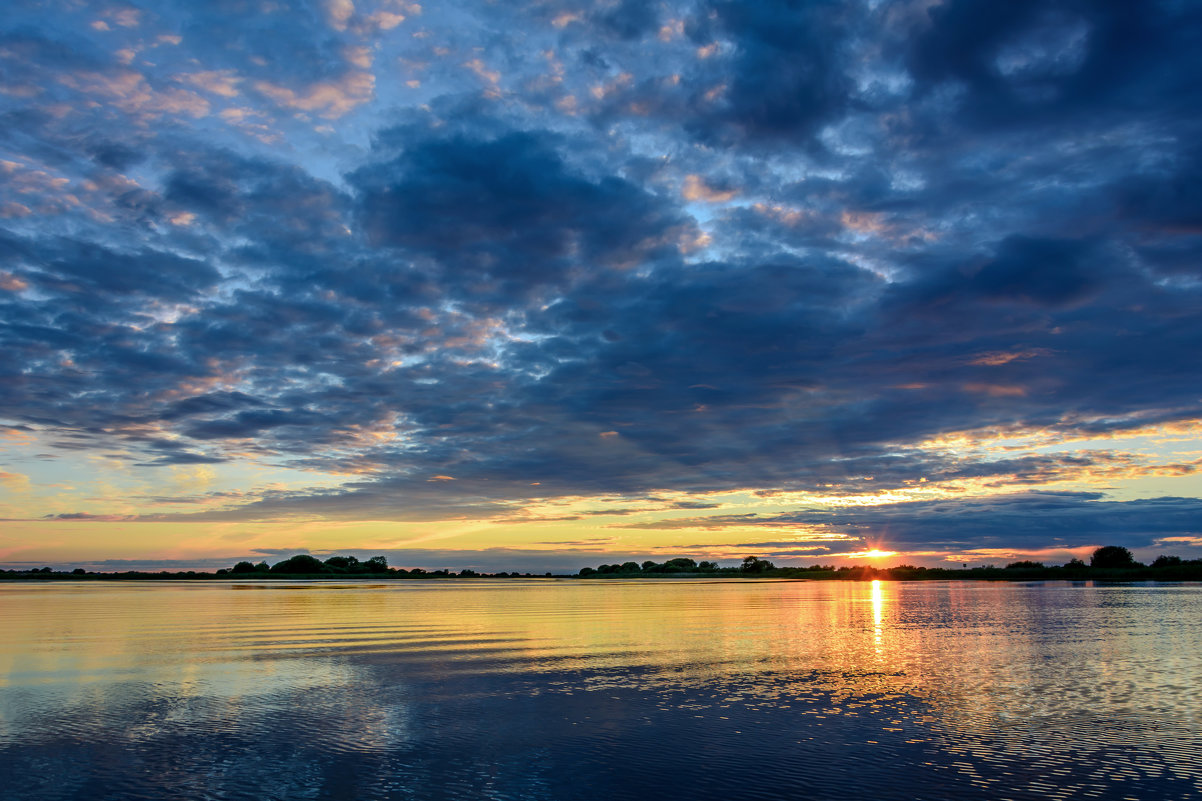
[(1028, 61), (85, 270), (788, 74), (506, 215), (1022, 270), (1040, 271)]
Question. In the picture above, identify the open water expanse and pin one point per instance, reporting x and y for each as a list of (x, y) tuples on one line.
[(559, 689)]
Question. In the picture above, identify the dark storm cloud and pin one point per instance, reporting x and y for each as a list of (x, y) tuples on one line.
[(84, 270), (758, 76), (788, 74), (1038, 272), (1167, 200), (506, 215), (1027, 60)]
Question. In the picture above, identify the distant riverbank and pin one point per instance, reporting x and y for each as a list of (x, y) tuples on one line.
[(1181, 572), (1109, 563)]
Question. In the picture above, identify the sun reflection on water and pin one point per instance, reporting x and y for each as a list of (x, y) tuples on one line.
[(878, 608)]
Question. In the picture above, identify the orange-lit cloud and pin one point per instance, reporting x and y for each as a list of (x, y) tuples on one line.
[(995, 390), (131, 92), (218, 82), (695, 188), (998, 358), (328, 99)]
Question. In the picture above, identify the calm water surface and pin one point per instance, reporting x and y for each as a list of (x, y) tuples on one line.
[(600, 690)]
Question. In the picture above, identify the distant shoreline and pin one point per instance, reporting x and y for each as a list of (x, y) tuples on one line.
[(1108, 563), (1171, 573)]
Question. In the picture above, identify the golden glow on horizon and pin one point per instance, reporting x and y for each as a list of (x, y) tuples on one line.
[(1051, 555), (873, 554), (135, 514), (1011, 438)]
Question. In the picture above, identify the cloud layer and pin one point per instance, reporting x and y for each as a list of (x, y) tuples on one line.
[(456, 261)]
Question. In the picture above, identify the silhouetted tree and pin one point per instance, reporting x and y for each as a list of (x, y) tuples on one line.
[(630, 567), (1112, 556), (301, 563), (1024, 565), (1074, 564), (754, 564), (243, 567), (1166, 561), (377, 564), (648, 565)]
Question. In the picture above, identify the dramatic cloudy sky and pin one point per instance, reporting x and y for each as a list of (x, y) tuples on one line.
[(545, 284)]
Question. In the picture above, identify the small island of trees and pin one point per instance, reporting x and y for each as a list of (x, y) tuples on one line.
[(681, 565)]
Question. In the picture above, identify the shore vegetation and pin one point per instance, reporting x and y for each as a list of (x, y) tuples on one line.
[(1108, 563)]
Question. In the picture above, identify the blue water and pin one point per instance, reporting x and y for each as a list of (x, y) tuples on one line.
[(546, 689)]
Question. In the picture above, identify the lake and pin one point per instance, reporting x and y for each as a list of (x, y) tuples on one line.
[(562, 689)]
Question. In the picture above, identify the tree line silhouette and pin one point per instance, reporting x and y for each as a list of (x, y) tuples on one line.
[(1108, 563), (299, 566)]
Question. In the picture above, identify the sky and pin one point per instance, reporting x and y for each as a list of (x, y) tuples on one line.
[(540, 285)]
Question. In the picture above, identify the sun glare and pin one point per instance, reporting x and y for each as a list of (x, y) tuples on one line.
[(873, 554)]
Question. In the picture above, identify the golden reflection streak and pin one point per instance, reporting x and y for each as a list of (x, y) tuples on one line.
[(878, 608)]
